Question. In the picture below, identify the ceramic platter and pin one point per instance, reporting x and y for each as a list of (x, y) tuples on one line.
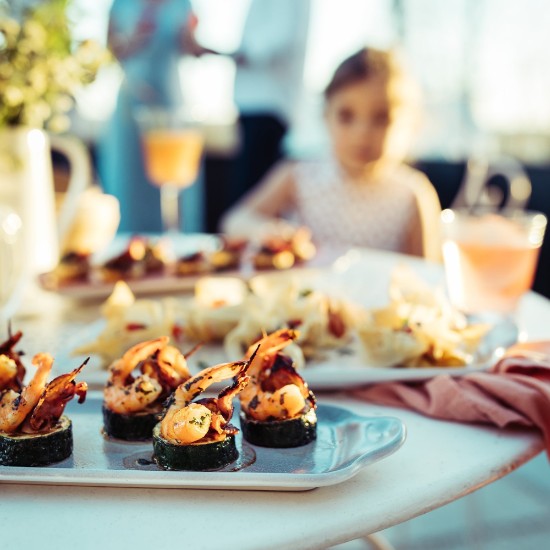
[(346, 443)]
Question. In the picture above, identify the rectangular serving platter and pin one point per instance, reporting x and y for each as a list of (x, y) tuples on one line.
[(346, 443)]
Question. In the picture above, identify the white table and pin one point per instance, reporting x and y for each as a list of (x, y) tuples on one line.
[(439, 462)]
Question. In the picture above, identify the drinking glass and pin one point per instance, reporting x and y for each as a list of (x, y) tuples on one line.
[(11, 263), (172, 145), (490, 258)]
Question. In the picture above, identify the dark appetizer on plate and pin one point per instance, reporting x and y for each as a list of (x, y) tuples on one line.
[(133, 401), (33, 429), (285, 251), (73, 267), (192, 264), (197, 434), (277, 407), (229, 255), (274, 253), (139, 259)]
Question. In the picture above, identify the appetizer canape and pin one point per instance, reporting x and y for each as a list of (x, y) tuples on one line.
[(197, 435), (274, 253), (418, 328), (283, 251), (156, 258), (301, 245), (74, 267), (229, 255), (138, 260), (132, 404), (192, 264), (33, 429), (277, 407)]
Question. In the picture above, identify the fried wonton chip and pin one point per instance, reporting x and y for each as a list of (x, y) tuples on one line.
[(418, 328)]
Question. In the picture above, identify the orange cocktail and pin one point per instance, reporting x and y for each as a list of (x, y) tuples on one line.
[(490, 259), (172, 156)]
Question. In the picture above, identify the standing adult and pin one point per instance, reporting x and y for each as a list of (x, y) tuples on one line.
[(268, 84), (147, 37)]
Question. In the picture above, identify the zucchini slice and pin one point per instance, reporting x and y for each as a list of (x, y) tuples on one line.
[(197, 457), (130, 427), (19, 449), (293, 432)]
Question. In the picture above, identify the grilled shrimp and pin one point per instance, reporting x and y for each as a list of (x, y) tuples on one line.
[(15, 406), (276, 390), (262, 355), (169, 367), (163, 368), (186, 422), (124, 394), (286, 402), (55, 397)]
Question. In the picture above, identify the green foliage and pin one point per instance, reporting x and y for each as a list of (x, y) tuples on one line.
[(41, 68)]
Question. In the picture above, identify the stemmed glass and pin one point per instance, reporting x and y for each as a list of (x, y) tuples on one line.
[(172, 145), (490, 259)]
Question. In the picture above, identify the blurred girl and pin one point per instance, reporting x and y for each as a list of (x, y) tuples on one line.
[(364, 194)]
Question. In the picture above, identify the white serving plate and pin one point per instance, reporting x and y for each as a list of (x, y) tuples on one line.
[(338, 369), (364, 278), (333, 374), (346, 369), (346, 443)]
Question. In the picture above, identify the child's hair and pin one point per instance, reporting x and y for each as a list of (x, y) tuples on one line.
[(370, 63)]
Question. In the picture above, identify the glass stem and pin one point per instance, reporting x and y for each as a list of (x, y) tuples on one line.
[(169, 207)]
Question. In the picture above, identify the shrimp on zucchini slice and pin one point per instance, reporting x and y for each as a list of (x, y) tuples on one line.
[(197, 434), (133, 401), (33, 429), (277, 407)]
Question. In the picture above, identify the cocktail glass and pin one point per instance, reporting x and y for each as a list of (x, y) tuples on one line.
[(490, 259), (172, 145)]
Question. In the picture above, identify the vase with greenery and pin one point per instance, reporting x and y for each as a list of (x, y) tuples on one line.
[(41, 67)]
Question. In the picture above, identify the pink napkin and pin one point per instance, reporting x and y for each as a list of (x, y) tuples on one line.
[(514, 392)]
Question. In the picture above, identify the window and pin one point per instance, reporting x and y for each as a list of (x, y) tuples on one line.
[(484, 66)]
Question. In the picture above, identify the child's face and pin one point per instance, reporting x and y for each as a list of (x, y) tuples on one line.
[(358, 117)]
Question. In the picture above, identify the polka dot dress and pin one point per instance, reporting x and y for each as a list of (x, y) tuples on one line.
[(378, 214)]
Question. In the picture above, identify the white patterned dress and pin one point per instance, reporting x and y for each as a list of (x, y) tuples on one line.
[(379, 214)]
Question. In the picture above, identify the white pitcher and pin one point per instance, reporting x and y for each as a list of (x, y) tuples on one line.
[(26, 184)]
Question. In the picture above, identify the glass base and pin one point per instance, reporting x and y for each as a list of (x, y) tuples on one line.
[(504, 332)]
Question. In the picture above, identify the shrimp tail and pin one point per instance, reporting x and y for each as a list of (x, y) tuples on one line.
[(142, 351), (193, 350), (225, 398), (7, 346), (53, 400)]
